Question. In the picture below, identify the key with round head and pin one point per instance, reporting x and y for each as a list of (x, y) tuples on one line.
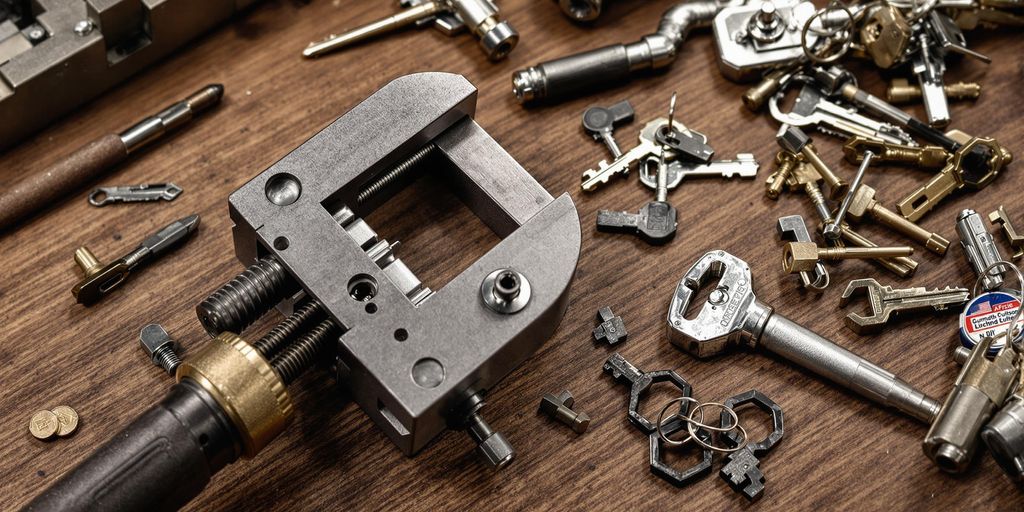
[(733, 315), (600, 122)]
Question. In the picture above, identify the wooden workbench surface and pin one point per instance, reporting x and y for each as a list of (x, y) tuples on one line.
[(839, 451)]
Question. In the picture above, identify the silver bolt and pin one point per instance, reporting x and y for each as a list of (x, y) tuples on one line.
[(36, 34), (160, 347), (84, 27)]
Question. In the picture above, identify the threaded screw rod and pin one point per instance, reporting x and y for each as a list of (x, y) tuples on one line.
[(299, 321), (301, 354), (244, 299), (396, 172)]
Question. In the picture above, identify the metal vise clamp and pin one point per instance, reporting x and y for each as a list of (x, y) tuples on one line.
[(416, 361)]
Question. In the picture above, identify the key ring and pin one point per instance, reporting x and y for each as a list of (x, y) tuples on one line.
[(828, 34), (692, 424), (1020, 298)]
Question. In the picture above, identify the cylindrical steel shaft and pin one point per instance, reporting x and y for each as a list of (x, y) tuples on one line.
[(833, 229), (813, 352), (391, 23)]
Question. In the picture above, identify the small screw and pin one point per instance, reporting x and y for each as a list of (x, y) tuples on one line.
[(36, 34), (160, 347), (84, 27), (560, 408)]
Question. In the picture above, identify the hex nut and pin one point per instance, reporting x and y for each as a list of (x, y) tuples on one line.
[(792, 139), (497, 450), (799, 257)]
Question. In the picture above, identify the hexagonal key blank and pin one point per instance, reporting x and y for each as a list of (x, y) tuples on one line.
[(741, 471), (676, 477), (640, 382)]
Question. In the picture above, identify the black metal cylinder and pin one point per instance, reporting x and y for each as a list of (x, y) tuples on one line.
[(158, 462), (575, 74), (244, 299)]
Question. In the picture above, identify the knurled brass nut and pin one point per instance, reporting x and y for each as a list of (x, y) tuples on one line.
[(245, 385)]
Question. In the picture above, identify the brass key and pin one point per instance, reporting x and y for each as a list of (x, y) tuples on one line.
[(902, 266), (925, 157), (864, 203), (795, 141), (963, 170)]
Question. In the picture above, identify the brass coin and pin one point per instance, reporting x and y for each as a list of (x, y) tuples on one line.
[(44, 425), (68, 419)]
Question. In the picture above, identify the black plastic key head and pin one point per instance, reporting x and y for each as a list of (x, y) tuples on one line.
[(655, 223), (597, 120)]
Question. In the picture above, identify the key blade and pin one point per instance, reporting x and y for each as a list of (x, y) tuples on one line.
[(592, 178), (171, 235)]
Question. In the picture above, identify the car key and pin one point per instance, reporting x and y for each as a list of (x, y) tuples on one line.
[(600, 122), (733, 315)]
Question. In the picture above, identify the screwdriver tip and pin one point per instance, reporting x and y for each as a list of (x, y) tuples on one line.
[(191, 222)]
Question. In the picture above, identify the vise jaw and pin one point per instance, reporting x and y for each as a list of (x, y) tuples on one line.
[(418, 361)]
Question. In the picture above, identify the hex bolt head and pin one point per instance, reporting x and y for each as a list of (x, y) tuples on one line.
[(160, 347), (792, 139)]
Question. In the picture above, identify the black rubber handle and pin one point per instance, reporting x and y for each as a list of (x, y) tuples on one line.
[(585, 72), (159, 462)]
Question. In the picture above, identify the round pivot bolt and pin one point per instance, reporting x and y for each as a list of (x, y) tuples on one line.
[(505, 291), (160, 347), (83, 28)]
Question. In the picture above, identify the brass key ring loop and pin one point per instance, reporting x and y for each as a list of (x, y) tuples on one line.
[(1020, 297)]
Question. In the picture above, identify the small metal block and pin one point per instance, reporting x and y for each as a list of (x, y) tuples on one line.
[(742, 473), (612, 329), (792, 139)]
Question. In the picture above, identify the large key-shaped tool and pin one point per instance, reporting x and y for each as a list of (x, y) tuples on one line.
[(733, 315), (887, 302)]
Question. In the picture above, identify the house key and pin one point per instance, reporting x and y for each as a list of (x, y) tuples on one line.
[(103, 196)]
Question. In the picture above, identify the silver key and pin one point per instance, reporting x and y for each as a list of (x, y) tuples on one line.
[(103, 196), (812, 108), (732, 315), (744, 166), (648, 147)]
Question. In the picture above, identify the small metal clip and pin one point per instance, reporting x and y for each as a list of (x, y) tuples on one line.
[(103, 196)]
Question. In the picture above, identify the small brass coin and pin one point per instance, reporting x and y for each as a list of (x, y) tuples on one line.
[(44, 425), (68, 419)]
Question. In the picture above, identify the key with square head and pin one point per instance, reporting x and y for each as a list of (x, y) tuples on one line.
[(686, 143), (648, 146), (600, 122), (963, 171), (813, 109), (886, 302), (732, 315), (743, 166), (865, 205), (793, 229)]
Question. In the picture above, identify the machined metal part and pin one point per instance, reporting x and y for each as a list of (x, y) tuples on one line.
[(560, 407), (599, 68), (980, 389), (678, 477), (102, 196), (792, 228), (1002, 219), (100, 279), (481, 17), (803, 256), (89, 47), (1004, 437), (901, 91), (581, 10), (742, 471), (886, 302), (160, 347), (756, 36), (640, 383), (980, 248), (611, 328), (305, 213), (901, 265), (833, 230), (732, 315)]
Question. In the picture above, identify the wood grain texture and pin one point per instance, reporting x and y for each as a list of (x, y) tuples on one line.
[(839, 452)]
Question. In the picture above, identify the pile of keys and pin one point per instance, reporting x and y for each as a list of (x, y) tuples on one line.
[(667, 152)]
